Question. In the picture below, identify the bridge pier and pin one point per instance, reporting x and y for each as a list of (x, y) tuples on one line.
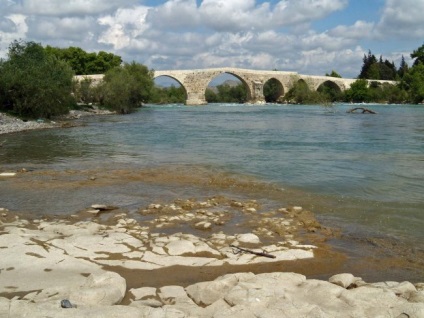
[(257, 93), (195, 99)]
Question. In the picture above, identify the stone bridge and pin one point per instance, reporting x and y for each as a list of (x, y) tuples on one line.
[(195, 82)]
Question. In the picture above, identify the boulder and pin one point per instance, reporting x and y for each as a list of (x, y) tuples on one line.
[(343, 280), (180, 247), (206, 293), (102, 289), (248, 238)]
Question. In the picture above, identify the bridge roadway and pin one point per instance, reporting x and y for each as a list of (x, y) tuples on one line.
[(196, 81)]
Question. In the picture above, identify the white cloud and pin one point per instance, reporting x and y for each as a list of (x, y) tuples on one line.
[(289, 12), (402, 18), (175, 14), (16, 28), (359, 30), (234, 15), (124, 27), (67, 28), (72, 7), (174, 34)]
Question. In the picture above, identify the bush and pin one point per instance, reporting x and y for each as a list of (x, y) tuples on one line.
[(301, 94), (34, 84), (127, 87)]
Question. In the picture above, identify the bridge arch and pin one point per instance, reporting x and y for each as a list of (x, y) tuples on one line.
[(273, 90), (237, 76), (330, 88), (329, 83), (173, 78)]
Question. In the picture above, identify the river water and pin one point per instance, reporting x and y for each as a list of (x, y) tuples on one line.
[(361, 173)]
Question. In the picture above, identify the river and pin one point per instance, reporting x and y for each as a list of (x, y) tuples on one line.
[(361, 173)]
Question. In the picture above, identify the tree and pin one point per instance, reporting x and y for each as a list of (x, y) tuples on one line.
[(368, 60), (211, 96), (272, 90), (330, 91), (127, 87), (333, 74), (168, 95), (413, 83), (84, 63), (226, 93), (34, 83), (418, 55), (403, 68), (358, 92), (301, 94)]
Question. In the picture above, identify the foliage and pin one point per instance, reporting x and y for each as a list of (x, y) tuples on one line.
[(87, 91), (358, 92), (273, 91), (331, 92), (403, 68), (418, 55), (378, 70), (127, 87), (84, 63), (33, 83), (168, 95), (227, 94), (413, 83), (301, 94), (333, 74)]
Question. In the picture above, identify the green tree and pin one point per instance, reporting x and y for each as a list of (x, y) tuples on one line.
[(272, 90), (418, 55), (34, 83), (368, 61), (168, 95), (211, 96), (330, 91), (413, 83), (84, 63), (333, 74), (403, 68), (358, 92), (127, 87), (301, 94), (226, 93)]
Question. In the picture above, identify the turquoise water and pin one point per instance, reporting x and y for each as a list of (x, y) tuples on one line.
[(364, 173)]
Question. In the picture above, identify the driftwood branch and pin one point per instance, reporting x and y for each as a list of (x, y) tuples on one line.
[(364, 110), (245, 250)]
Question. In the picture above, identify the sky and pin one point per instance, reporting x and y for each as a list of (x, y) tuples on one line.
[(305, 36)]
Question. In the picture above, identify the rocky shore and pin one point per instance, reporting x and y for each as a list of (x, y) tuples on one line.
[(100, 262), (9, 124)]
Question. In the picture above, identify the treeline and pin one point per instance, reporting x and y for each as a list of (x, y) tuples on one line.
[(85, 63), (38, 82), (409, 87)]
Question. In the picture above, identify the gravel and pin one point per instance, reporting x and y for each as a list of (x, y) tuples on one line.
[(9, 124)]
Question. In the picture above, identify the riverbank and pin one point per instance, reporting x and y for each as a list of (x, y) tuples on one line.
[(10, 124), (100, 262)]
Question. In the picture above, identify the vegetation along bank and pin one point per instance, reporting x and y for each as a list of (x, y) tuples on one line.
[(35, 82)]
